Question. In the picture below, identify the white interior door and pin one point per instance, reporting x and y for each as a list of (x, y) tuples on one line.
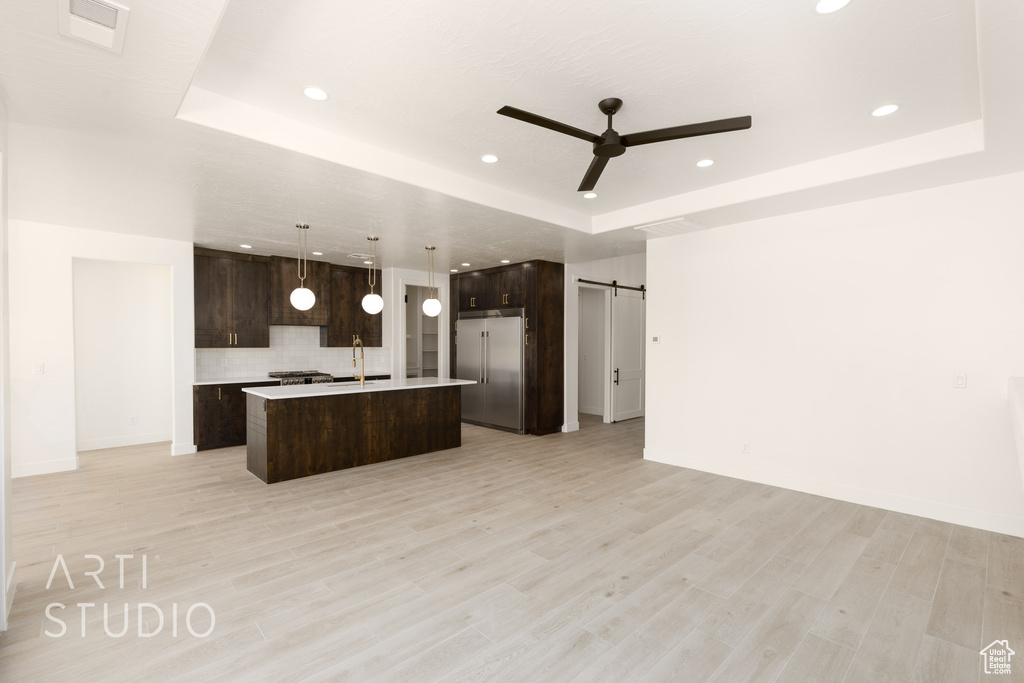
[(627, 355)]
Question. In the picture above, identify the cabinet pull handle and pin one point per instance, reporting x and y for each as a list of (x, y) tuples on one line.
[(229, 339), (527, 338), (218, 393), (527, 323), (236, 339), (472, 301)]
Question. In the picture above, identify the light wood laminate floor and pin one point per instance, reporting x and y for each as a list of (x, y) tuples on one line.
[(561, 558)]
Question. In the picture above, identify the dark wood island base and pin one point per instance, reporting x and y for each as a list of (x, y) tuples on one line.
[(300, 437)]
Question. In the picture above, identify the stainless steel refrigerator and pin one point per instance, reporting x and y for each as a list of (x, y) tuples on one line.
[(490, 352)]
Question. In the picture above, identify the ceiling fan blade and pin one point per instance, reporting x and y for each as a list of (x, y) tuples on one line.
[(689, 131), (593, 173), (536, 120)]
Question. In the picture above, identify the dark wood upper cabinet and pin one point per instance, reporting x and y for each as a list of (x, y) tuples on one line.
[(232, 299), (347, 317), (508, 287), (474, 292), (284, 277)]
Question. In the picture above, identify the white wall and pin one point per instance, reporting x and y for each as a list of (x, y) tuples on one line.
[(627, 270), (7, 563), (122, 341), (828, 341), (592, 377), (42, 334)]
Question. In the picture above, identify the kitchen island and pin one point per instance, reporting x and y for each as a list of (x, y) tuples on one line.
[(302, 430)]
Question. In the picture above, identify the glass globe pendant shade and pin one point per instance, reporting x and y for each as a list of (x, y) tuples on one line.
[(431, 307), (302, 298), (373, 304)]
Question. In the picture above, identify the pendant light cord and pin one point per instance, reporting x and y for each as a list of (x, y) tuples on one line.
[(303, 264), (372, 277), (430, 271)]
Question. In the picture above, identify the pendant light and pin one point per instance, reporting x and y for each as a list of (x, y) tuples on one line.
[(302, 298), (431, 306), (373, 303)]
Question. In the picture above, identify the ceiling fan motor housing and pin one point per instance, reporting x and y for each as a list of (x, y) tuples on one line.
[(609, 145)]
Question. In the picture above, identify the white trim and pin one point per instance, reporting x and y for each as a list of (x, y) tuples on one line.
[(922, 508), (44, 467), (183, 449), (126, 440), (9, 590), (571, 427)]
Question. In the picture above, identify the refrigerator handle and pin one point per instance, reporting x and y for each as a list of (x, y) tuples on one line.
[(480, 370), (486, 362)]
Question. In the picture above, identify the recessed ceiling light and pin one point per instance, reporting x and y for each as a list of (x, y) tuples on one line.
[(318, 253), (885, 110), (505, 260), (590, 195), (245, 246), (466, 265), (704, 163), (455, 270), (315, 94), (830, 6), (488, 158), (369, 263)]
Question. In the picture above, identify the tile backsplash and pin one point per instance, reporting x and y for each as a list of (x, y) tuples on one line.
[(292, 347)]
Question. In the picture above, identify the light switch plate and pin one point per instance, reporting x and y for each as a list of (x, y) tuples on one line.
[(959, 381)]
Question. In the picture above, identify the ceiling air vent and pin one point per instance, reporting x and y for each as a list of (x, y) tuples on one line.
[(672, 226), (100, 23)]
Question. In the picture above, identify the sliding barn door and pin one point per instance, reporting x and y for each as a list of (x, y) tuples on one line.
[(627, 326)]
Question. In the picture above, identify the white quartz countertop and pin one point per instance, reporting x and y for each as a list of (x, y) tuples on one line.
[(234, 380), (331, 389), (254, 380)]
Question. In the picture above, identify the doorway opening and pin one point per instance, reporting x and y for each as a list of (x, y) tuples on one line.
[(421, 335), (611, 354), (122, 344)]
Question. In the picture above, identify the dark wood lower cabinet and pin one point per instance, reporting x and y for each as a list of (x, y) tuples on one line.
[(299, 437), (218, 414)]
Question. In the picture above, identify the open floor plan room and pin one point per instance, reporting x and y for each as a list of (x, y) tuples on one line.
[(566, 557)]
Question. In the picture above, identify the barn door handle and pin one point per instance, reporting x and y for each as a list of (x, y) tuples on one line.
[(616, 377)]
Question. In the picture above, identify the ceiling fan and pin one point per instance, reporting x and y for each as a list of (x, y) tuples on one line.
[(611, 144)]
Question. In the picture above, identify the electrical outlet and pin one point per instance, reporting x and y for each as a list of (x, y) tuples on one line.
[(223, 362), (960, 381), (745, 448), (132, 420)]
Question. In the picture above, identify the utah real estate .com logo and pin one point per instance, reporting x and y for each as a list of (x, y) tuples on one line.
[(145, 611), (997, 657)]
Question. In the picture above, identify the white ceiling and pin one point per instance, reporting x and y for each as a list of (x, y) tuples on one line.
[(200, 131)]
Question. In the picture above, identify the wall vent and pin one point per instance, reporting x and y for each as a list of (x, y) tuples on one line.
[(100, 23)]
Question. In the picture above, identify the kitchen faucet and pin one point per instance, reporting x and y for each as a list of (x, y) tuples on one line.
[(356, 341)]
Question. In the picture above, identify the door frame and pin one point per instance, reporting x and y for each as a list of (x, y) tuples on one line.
[(606, 365)]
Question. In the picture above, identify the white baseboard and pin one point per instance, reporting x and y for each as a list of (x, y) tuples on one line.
[(571, 427), (9, 590), (44, 467), (592, 410), (977, 519), (125, 440), (183, 449)]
